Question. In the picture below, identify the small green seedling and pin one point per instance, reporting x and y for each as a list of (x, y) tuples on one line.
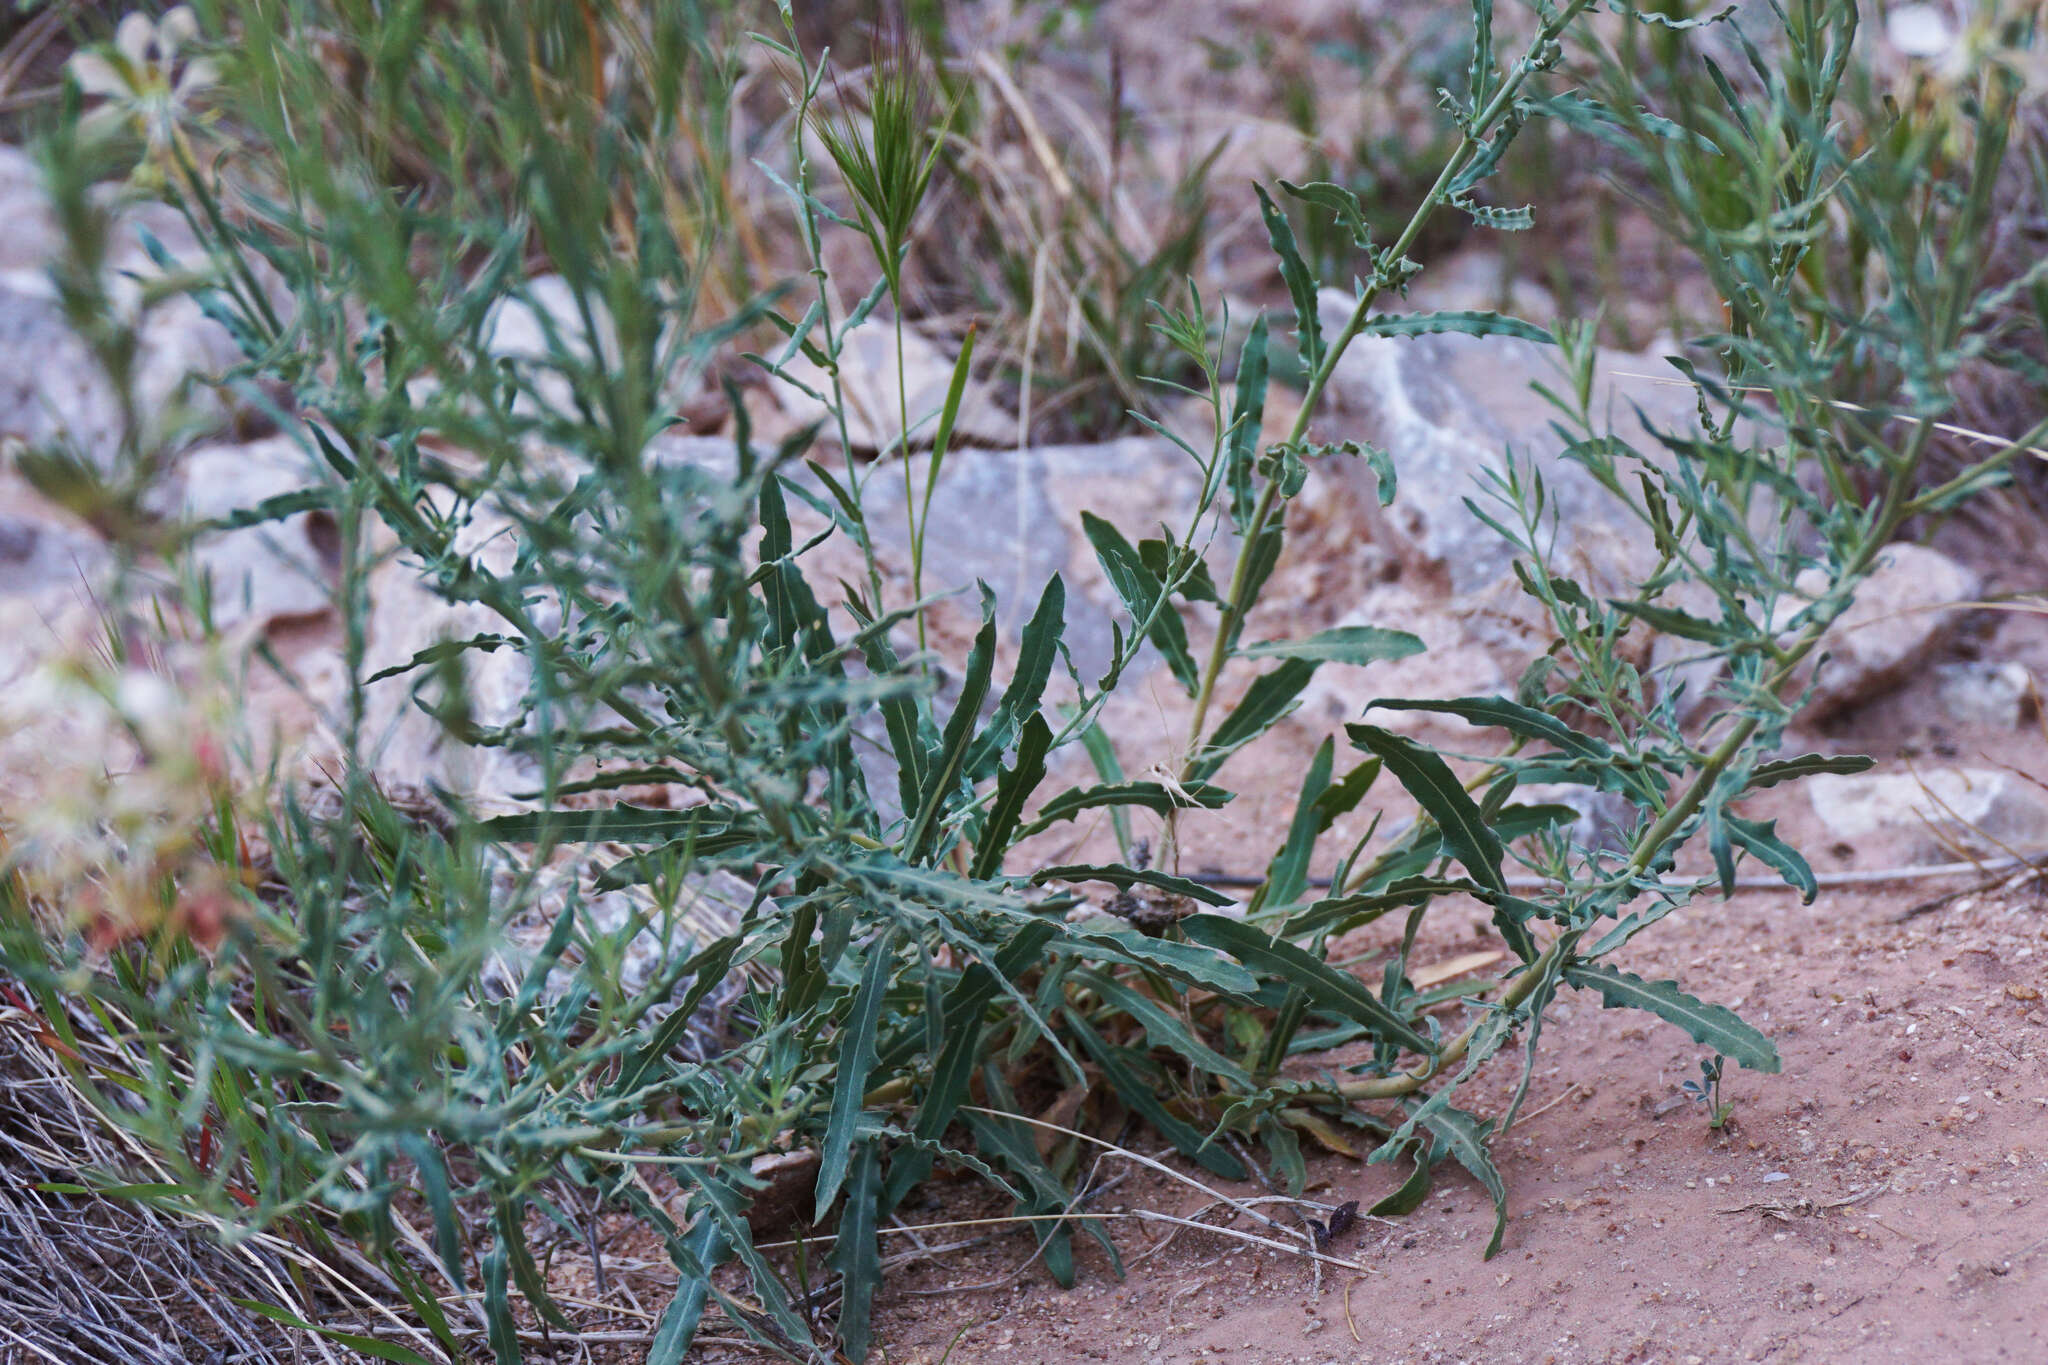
[(1707, 1090)]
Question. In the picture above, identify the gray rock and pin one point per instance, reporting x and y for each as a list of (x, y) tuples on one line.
[(1931, 812), (1902, 613), (409, 748), (30, 236), (40, 548), (270, 571), (1449, 407), (51, 388), (1012, 519), (1994, 696)]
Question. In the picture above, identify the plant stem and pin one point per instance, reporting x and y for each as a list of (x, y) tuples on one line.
[(913, 524), (1235, 608)]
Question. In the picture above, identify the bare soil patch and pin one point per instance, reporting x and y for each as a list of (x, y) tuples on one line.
[(1882, 1199)]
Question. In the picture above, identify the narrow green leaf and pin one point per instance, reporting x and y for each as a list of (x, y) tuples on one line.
[(1247, 417), (1138, 1092), (369, 1346), (1192, 576), (1430, 781), (1038, 650), (1337, 914), (855, 1254), (1468, 321), (501, 1331), (1386, 478), (1525, 721), (1124, 878), (1153, 796), (1102, 754), (1332, 991), (1716, 1026), (275, 508), (1269, 698), (1301, 282), (1341, 203), (1164, 1029), (1760, 839), (1343, 798), (1144, 596), (942, 438), (433, 1176), (1340, 645), (1464, 1135), (622, 824), (1413, 1190), (856, 1062), (1287, 874), (1806, 765), (952, 755), (1013, 789), (704, 1250), (1672, 621)]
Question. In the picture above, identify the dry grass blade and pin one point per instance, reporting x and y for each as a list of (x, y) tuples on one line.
[(1843, 405), (92, 1279)]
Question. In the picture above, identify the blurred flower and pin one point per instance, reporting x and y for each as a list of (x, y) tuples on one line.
[(1922, 31), (143, 86), (111, 782)]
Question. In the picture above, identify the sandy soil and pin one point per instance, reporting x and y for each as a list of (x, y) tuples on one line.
[(1882, 1199)]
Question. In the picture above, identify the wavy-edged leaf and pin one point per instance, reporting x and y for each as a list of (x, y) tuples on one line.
[(1140, 1093), (1247, 417), (275, 508), (1341, 203), (1760, 839), (1513, 717), (855, 1254), (1343, 797), (1270, 697), (1806, 765), (1152, 796), (1464, 1137), (622, 824), (1164, 1029), (1645, 16), (1672, 621), (1340, 645), (1189, 963), (856, 1063), (1330, 990), (1715, 1026), (1143, 596), (1013, 789), (1300, 280), (1038, 650), (1124, 878), (1337, 914), (1430, 781), (1470, 321), (1413, 1190)]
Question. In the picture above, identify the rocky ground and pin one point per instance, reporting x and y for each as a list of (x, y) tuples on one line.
[(1881, 1199)]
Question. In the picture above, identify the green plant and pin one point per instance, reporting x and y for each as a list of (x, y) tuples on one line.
[(900, 984), (1707, 1091)]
